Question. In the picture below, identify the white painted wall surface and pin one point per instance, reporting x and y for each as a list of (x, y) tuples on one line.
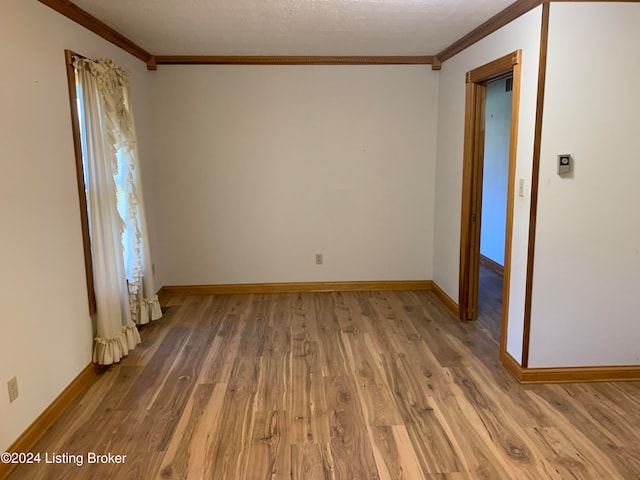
[(586, 279), (46, 337), (524, 34), (495, 177), (261, 167)]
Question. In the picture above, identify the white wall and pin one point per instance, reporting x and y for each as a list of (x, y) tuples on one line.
[(46, 337), (261, 167), (495, 177), (524, 34), (586, 280)]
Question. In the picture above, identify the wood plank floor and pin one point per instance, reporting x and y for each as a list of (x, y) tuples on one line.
[(358, 385), (490, 302)]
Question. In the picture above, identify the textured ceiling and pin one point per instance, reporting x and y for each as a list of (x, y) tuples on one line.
[(293, 27)]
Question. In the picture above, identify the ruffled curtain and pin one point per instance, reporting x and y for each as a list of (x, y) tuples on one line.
[(138, 267), (123, 281)]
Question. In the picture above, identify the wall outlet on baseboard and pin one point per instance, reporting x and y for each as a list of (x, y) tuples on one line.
[(12, 386), (319, 259)]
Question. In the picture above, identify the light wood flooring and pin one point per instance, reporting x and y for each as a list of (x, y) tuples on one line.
[(359, 385)]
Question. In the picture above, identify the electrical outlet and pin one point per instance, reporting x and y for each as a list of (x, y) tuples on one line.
[(318, 259), (12, 386)]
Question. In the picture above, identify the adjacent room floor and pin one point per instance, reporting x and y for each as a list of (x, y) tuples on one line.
[(490, 302), (359, 385)]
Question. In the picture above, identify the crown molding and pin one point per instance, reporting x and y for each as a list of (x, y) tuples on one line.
[(506, 16), (294, 60), (84, 18), (496, 22)]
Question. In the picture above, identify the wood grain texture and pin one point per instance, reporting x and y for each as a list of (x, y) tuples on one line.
[(244, 288), (511, 188), (151, 63), (535, 179), (84, 18), (476, 198), (512, 365), (490, 303), (469, 282), (82, 197), (467, 197), (599, 1), (295, 60), (509, 14), (581, 374), (491, 264), (447, 301), (335, 385), (496, 69), (51, 414)]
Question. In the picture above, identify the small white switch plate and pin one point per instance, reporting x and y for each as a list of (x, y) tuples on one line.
[(12, 386), (319, 259), (521, 187)]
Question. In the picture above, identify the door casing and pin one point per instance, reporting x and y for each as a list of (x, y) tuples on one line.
[(476, 94)]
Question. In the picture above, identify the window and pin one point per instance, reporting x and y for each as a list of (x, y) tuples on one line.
[(76, 105), (118, 264)]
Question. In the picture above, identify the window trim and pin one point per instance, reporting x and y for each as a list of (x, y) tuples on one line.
[(77, 148)]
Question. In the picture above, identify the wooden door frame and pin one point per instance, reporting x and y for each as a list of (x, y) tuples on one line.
[(476, 80)]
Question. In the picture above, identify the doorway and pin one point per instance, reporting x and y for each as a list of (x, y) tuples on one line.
[(495, 176), (478, 84)]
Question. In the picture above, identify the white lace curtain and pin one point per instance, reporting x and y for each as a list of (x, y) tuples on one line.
[(123, 280)]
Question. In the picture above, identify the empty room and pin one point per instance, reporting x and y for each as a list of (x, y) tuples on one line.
[(337, 239)]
